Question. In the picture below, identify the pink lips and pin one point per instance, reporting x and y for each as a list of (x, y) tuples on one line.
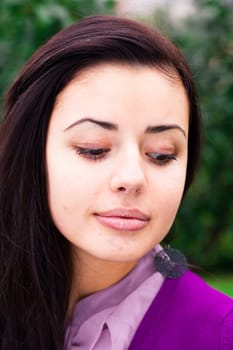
[(123, 219)]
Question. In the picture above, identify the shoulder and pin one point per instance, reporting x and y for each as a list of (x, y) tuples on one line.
[(191, 314), (191, 291)]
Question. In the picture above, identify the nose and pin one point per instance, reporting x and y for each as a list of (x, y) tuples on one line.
[(128, 175)]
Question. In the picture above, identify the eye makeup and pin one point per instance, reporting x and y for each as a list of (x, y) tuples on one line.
[(92, 153)]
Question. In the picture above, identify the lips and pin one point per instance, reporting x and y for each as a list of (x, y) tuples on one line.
[(122, 219)]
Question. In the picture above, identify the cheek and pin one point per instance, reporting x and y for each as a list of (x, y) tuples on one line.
[(68, 192), (64, 196), (170, 191)]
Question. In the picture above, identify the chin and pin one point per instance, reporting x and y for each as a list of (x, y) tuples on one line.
[(122, 257)]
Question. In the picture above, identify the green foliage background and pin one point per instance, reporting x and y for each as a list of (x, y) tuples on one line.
[(204, 227), (26, 24)]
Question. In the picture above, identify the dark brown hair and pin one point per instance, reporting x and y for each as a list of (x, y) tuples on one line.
[(35, 269)]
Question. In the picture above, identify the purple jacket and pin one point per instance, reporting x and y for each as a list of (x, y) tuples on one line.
[(186, 314)]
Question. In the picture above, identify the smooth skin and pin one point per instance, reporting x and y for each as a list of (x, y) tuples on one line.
[(116, 158)]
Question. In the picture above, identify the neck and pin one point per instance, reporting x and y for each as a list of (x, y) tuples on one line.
[(91, 275)]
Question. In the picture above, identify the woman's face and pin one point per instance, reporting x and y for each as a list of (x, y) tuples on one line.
[(116, 160)]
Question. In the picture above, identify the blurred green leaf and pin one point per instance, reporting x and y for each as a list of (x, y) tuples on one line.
[(204, 227), (26, 24)]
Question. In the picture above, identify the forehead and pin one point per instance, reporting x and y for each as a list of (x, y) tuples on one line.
[(116, 90), (119, 73)]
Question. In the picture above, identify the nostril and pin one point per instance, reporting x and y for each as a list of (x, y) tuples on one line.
[(122, 189)]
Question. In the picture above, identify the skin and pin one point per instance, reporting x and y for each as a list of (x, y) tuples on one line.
[(133, 166)]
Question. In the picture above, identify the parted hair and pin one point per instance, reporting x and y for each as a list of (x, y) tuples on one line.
[(36, 266)]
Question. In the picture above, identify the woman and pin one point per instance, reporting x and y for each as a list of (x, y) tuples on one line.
[(99, 142)]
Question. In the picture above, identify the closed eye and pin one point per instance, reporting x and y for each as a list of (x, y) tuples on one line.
[(92, 153), (161, 158)]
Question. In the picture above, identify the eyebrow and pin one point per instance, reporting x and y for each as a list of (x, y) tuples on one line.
[(162, 128), (105, 125), (112, 126)]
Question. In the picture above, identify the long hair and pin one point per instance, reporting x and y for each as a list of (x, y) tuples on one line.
[(35, 268)]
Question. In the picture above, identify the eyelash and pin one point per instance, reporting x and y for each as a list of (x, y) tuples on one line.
[(100, 153), (161, 158), (92, 153)]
